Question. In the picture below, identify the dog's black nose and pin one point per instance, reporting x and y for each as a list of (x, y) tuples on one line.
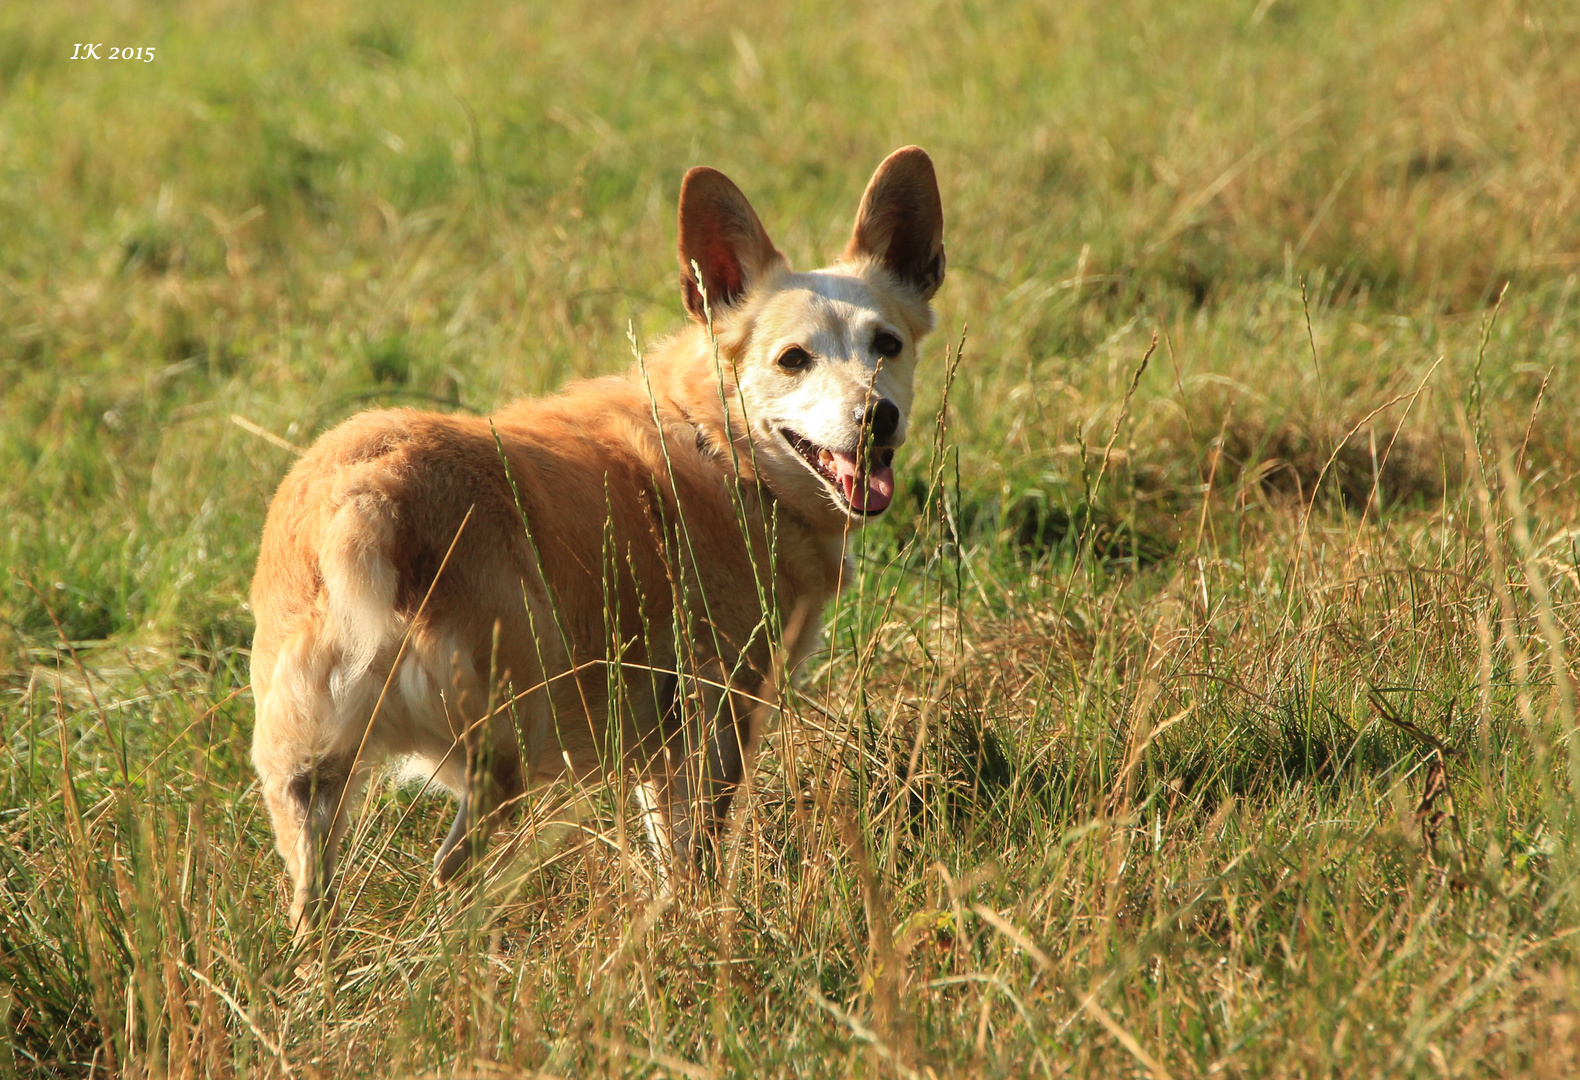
[(882, 418)]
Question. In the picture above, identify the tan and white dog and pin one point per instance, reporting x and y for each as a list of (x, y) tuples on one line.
[(603, 580)]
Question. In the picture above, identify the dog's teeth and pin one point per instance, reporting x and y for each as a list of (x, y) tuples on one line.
[(825, 456)]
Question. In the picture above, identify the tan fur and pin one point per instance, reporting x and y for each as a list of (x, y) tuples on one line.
[(624, 530)]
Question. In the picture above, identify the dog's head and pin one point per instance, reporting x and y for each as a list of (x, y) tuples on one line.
[(820, 363)]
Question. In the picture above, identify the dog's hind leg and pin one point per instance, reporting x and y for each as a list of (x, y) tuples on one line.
[(305, 747), (318, 802), (310, 798)]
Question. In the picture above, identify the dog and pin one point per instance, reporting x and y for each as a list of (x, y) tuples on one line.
[(609, 579)]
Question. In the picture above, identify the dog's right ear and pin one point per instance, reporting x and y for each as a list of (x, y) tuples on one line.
[(901, 221), (721, 234)]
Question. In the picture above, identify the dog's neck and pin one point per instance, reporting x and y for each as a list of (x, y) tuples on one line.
[(691, 382)]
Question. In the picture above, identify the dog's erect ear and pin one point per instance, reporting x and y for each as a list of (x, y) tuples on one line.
[(720, 232), (901, 221)]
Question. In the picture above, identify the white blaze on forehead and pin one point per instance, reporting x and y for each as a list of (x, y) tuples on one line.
[(836, 318)]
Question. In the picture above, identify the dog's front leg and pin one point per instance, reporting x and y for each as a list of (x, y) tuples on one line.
[(686, 789), (492, 793), (730, 715), (453, 854), (665, 779)]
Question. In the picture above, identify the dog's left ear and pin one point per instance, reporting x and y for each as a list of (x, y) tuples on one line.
[(722, 235), (901, 221)]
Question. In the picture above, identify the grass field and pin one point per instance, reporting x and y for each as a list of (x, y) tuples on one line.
[(1202, 711)]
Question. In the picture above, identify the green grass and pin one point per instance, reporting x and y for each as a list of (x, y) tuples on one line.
[(1097, 775)]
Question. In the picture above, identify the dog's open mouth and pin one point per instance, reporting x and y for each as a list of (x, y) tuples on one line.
[(865, 487)]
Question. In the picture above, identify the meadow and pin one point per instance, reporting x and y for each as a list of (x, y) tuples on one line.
[(1205, 705)]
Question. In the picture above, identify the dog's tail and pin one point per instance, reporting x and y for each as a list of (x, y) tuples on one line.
[(355, 552)]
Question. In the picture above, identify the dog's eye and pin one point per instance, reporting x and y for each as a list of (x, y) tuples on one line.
[(886, 344), (794, 358)]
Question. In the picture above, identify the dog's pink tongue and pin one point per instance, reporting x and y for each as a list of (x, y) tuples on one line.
[(874, 496)]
